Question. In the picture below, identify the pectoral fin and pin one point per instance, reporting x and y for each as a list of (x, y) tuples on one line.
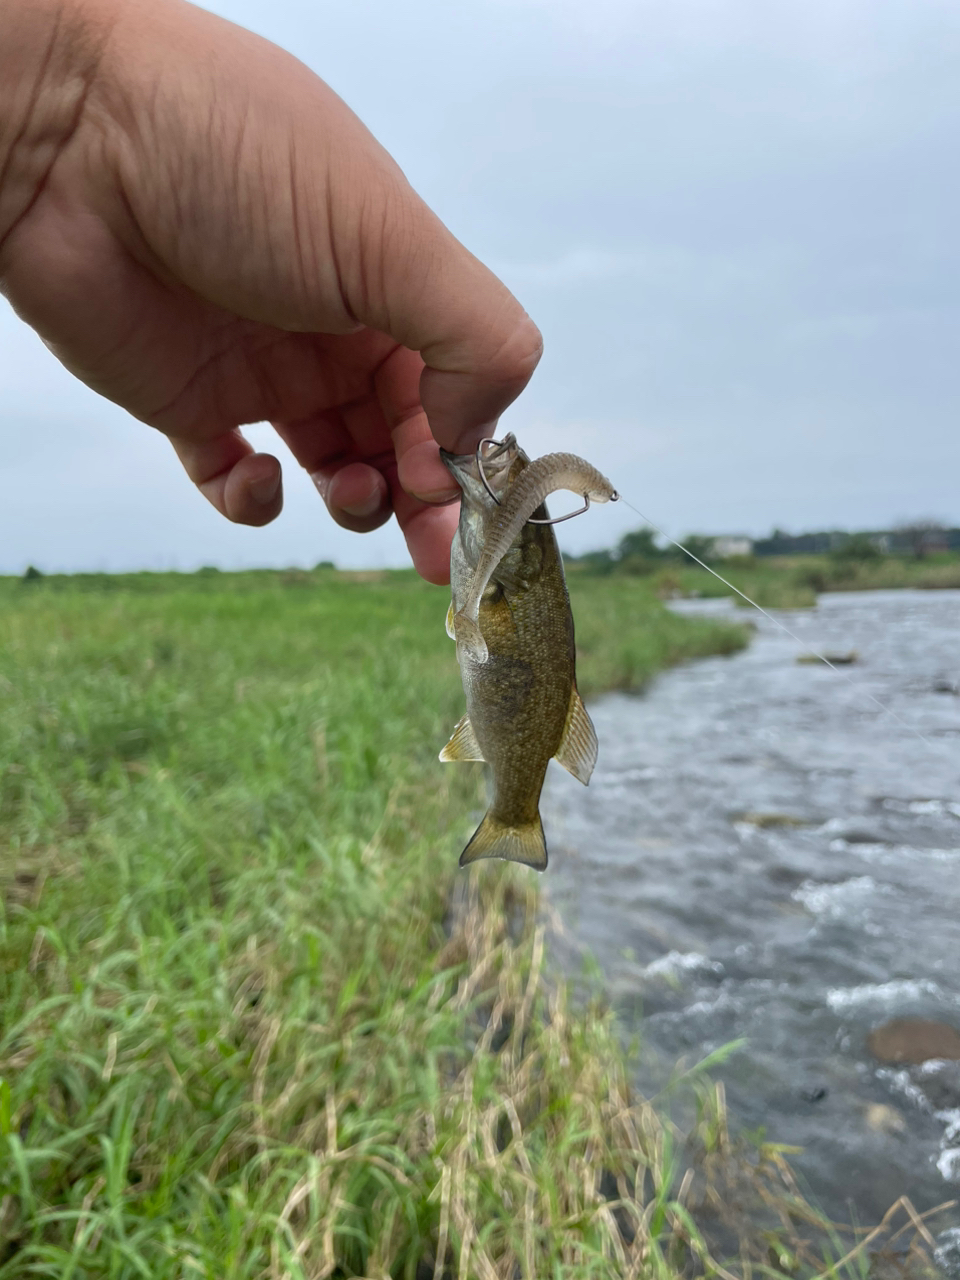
[(469, 638), (578, 747), (463, 744), (450, 631), (516, 574)]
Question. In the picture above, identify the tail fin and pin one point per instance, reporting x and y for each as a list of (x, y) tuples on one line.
[(493, 839)]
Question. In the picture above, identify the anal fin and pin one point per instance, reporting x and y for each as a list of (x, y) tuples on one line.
[(578, 747), (463, 744)]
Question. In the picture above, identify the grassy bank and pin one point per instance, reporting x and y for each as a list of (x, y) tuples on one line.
[(243, 1031), (781, 582)]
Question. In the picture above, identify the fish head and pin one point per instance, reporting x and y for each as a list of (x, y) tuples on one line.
[(483, 484), (502, 463)]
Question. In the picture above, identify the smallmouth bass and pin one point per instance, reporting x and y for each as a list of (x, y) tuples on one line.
[(523, 707)]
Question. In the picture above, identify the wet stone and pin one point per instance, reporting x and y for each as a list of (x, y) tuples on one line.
[(861, 835), (767, 820), (789, 876), (831, 659), (816, 1093), (884, 1119), (914, 1040)]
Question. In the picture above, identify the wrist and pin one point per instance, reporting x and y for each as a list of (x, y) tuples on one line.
[(49, 54)]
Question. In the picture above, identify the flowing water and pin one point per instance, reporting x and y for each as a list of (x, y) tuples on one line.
[(762, 853)]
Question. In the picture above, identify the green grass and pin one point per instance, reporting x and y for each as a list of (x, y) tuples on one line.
[(624, 638), (254, 1022)]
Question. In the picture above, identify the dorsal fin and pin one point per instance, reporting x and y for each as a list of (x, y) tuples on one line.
[(578, 747), (463, 744)]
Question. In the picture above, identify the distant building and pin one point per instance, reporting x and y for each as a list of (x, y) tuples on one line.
[(802, 544), (936, 540), (732, 545), (921, 538)]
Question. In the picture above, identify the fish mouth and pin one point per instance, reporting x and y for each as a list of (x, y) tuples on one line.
[(498, 457)]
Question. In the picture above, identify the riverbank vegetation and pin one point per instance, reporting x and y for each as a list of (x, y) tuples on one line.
[(254, 1023), (774, 581)]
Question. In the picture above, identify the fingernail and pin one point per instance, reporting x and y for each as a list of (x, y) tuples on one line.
[(265, 490), (366, 508), (439, 497)]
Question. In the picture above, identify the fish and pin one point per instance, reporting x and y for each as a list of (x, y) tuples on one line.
[(523, 706), (503, 522)]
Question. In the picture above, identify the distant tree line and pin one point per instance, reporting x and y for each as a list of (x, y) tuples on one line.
[(915, 537), (639, 552), (642, 552)]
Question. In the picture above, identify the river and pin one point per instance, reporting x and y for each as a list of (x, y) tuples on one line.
[(763, 853)]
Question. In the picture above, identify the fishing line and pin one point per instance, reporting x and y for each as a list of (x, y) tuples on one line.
[(783, 627)]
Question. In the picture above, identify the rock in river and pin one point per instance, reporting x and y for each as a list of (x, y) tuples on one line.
[(831, 659), (912, 1040)]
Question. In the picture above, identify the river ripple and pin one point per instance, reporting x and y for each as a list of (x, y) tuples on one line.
[(712, 922)]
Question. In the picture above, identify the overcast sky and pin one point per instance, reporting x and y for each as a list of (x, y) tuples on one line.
[(737, 225)]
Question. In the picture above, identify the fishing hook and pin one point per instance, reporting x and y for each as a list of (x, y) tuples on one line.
[(532, 519)]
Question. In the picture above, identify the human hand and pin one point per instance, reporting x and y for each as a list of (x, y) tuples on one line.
[(205, 234)]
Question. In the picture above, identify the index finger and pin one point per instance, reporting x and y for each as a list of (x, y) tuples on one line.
[(420, 471)]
